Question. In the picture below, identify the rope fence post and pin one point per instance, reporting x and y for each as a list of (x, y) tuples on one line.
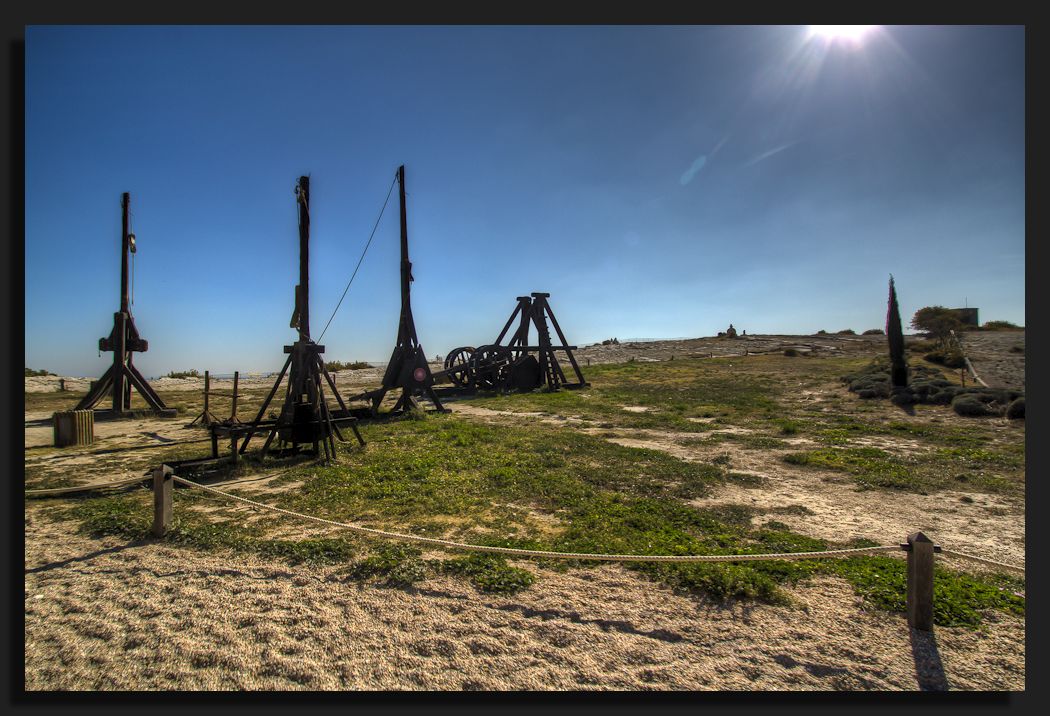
[(920, 549), (162, 494)]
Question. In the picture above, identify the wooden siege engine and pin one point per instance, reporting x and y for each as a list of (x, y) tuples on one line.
[(124, 341), (305, 416)]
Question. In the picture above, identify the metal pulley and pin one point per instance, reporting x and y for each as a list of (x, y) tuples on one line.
[(131, 242)]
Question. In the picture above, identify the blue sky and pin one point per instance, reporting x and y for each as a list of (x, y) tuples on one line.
[(657, 181)]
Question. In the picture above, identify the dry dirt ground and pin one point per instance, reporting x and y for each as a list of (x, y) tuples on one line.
[(106, 614)]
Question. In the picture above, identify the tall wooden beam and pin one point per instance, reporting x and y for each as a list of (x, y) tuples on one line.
[(124, 341)]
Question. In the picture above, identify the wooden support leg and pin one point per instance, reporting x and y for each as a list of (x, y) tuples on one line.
[(266, 403), (101, 387)]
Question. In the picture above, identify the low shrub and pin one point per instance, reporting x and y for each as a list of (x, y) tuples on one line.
[(874, 332), (336, 365), (846, 332), (185, 374), (1017, 349), (822, 332), (1015, 410), (30, 372), (904, 397), (1000, 326), (791, 352), (928, 386), (947, 358), (970, 406), (923, 346)]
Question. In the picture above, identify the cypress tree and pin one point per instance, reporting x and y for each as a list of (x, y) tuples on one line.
[(898, 368)]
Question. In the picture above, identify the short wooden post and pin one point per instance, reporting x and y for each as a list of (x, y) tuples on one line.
[(920, 550), (62, 384), (162, 493), (233, 413)]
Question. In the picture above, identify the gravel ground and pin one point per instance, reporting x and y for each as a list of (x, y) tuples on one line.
[(105, 614)]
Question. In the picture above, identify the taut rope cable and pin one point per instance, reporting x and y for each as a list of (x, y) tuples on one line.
[(88, 488), (369, 243), (975, 558)]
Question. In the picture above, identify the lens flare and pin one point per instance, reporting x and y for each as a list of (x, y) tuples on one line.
[(853, 33)]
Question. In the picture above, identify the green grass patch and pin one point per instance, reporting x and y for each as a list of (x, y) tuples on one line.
[(871, 466), (674, 392)]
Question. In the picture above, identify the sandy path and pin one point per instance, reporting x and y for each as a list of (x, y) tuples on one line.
[(100, 614)]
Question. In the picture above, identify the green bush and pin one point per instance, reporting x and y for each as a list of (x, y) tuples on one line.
[(822, 332), (846, 332), (928, 386), (923, 346), (904, 397), (791, 352), (874, 332), (30, 372), (185, 374), (969, 406), (490, 573), (335, 365), (950, 358), (1015, 410), (1000, 325)]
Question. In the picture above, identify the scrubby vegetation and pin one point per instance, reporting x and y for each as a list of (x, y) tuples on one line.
[(32, 373), (335, 365), (950, 357), (928, 386), (874, 332), (185, 374), (1001, 326)]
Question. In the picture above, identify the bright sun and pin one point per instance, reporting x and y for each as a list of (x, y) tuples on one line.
[(853, 33)]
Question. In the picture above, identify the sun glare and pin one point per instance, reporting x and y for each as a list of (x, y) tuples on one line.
[(853, 33)]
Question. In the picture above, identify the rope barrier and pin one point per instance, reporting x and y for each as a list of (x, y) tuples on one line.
[(975, 558), (86, 488), (107, 451), (448, 544)]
